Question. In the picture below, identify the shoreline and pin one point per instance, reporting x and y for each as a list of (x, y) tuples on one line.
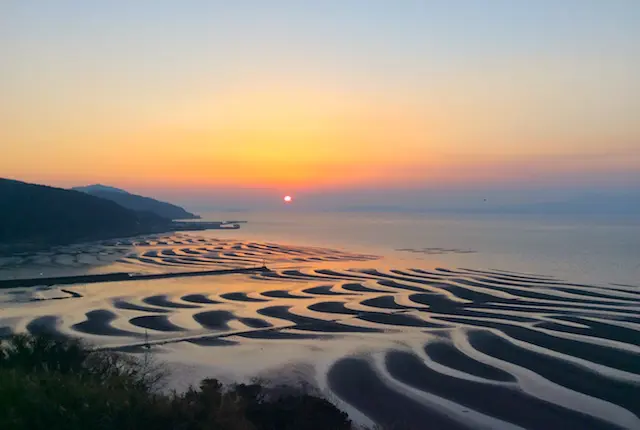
[(16, 248)]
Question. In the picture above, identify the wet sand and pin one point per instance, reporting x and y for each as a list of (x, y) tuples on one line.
[(415, 347)]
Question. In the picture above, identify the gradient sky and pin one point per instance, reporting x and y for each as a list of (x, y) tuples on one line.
[(178, 98)]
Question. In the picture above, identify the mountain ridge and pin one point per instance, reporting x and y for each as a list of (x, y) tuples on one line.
[(99, 188), (44, 215), (137, 202)]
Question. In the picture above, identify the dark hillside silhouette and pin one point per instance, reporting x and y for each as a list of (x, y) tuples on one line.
[(136, 202), (43, 215)]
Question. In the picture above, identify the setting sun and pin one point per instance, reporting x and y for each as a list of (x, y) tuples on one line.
[(288, 199)]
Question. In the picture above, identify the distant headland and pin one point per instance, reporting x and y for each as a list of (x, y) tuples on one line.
[(136, 202), (37, 216)]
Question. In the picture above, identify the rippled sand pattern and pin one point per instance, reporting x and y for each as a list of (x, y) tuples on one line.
[(181, 254), (79, 256), (454, 348)]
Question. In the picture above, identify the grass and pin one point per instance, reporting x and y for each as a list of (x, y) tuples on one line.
[(53, 383)]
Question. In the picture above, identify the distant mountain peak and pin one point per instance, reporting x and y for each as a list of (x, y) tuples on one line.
[(136, 202), (99, 188)]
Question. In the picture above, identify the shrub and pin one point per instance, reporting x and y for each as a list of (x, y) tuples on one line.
[(54, 383)]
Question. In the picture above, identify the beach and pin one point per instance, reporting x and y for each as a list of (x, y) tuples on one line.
[(414, 333)]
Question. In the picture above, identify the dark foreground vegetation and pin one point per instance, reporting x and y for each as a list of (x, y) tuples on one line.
[(52, 383)]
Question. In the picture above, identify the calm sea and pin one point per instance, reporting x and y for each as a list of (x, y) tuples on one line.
[(590, 251)]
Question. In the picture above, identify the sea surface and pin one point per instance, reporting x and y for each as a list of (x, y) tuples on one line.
[(409, 321), (579, 248)]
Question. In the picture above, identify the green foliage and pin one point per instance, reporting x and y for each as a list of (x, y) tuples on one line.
[(53, 383), (53, 400), (285, 408), (44, 352)]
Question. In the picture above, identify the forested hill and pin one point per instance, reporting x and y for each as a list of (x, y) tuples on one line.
[(136, 202), (43, 215)]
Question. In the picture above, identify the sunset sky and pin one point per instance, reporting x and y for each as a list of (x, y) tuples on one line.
[(194, 98)]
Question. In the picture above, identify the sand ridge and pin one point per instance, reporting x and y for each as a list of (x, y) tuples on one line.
[(457, 347)]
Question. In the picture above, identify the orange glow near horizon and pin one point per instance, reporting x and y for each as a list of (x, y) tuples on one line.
[(289, 138), (305, 138), (292, 138), (320, 96)]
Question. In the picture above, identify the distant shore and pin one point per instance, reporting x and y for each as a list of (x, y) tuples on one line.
[(11, 249)]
